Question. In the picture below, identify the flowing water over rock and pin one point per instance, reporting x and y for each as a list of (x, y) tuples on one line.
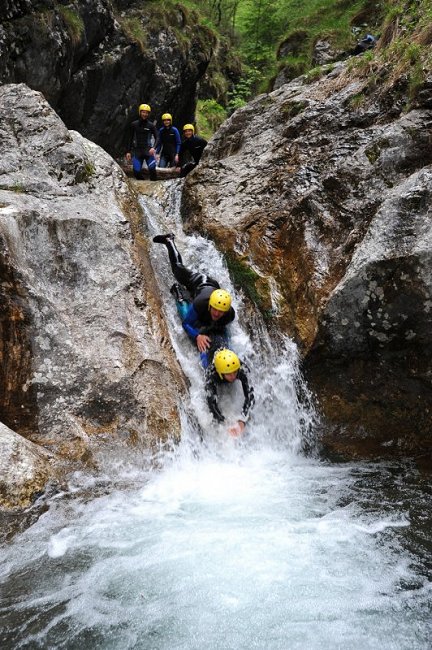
[(227, 544)]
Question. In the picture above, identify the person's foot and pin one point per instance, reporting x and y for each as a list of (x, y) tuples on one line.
[(162, 239), (177, 292)]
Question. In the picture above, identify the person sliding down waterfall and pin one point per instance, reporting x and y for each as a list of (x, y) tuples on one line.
[(225, 369), (205, 319)]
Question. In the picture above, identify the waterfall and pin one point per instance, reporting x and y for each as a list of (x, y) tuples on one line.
[(225, 544), (278, 417)]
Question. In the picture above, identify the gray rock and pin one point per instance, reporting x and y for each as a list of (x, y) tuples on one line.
[(25, 469), (84, 352), (324, 189)]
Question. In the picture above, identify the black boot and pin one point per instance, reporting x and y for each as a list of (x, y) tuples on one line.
[(163, 239), (152, 173), (179, 293)]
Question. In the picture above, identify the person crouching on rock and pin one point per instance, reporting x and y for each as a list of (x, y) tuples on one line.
[(191, 149), (210, 311), (226, 369), (143, 138)]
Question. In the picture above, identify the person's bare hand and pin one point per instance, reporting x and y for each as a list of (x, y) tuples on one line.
[(203, 342), (237, 429)]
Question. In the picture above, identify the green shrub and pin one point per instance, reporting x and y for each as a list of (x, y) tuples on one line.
[(210, 116), (74, 23)]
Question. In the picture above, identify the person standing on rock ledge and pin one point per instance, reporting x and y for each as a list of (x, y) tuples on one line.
[(191, 148), (143, 139), (210, 311), (168, 145)]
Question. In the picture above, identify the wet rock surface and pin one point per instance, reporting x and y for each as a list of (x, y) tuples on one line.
[(324, 190), (85, 355)]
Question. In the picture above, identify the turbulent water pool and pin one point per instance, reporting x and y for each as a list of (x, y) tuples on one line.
[(234, 547), (228, 544)]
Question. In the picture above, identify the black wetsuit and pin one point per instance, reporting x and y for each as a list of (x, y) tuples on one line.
[(200, 286), (191, 150), (213, 381), (141, 137)]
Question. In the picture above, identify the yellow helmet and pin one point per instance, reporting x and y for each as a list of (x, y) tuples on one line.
[(144, 107), (189, 127), (225, 361), (166, 116), (220, 300)]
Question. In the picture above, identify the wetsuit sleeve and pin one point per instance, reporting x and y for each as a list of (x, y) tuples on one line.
[(158, 145), (131, 137), (249, 397), (211, 394), (177, 139), (155, 133), (189, 322)]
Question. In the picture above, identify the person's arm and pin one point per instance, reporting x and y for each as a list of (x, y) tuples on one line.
[(238, 428), (155, 134), (158, 144), (249, 397), (177, 140), (189, 323), (131, 141), (211, 395)]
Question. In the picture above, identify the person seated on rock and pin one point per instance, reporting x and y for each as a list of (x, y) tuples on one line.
[(226, 369), (168, 145), (143, 137), (191, 149), (368, 42), (210, 310)]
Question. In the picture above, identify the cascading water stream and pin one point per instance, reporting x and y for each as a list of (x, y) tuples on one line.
[(228, 545)]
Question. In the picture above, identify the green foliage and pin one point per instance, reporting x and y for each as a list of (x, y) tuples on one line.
[(245, 89), (210, 116), (357, 101), (134, 31), (85, 173), (74, 23)]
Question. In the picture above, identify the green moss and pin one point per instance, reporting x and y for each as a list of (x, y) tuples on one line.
[(18, 188), (74, 23), (291, 109), (85, 173), (374, 151), (249, 281)]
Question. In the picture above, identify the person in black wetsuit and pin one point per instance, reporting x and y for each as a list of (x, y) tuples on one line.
[(191, 149), (226, 369), (210, 311), (169, 142), (143, 138)]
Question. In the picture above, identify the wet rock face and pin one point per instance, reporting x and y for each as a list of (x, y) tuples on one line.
[(325, 191), (90, 68), (80, 353), (25, 469)]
